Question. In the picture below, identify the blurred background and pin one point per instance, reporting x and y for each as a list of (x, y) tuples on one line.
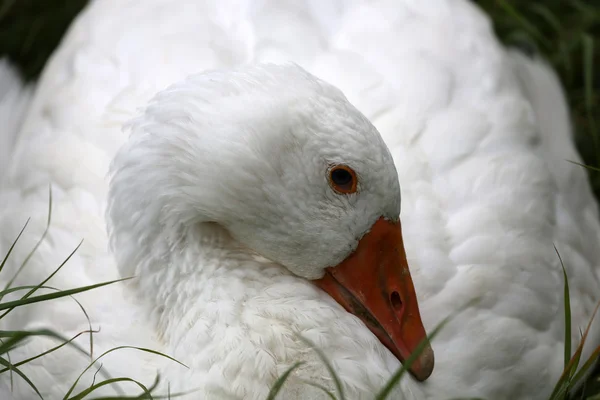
[(566, 32)]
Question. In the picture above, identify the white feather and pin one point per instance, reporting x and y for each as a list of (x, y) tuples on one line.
[(478, 138), (14, 99)]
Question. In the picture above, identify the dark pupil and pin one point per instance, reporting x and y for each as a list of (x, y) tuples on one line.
[(341, 177)]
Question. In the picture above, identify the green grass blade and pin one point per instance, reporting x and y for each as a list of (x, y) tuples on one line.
[(110, 351), (567, 307), (156, 397), (49, 296), (588, 78), (595, 169), (584, 8), (8, 334), (10, 363), (18, 336), (162, 396), (564, 57), (589, 363), (393, 381), (91, 389), (547, 15), (588, 67), (29, 293), (5, 8), (17, 289), (46, 352), (325, 361), (37, 245), (524, 22), (12, 246), (281, 380), (564, 382), (87, 317), (521, 37), (21, 374), (13, 339), (96, 374)]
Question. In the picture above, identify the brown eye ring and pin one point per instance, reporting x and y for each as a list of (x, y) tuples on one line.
[(343, 179)]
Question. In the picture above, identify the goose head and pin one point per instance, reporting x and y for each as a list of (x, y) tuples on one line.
[(292, 171)]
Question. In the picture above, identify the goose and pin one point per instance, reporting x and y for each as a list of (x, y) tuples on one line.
[(14, 100), (269, 148)]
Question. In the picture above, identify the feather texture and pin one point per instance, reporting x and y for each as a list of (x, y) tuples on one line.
[(14, 99), (479, 137)]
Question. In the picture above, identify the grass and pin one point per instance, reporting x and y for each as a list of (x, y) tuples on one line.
[(574, 371), (11, 339), (565, 32)]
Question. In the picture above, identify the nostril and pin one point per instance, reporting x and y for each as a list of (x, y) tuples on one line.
[(396, 301)]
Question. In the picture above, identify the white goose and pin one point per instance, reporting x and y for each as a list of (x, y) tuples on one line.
[(238, 187)]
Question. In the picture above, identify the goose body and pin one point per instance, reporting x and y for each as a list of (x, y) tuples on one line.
[(478, 135)]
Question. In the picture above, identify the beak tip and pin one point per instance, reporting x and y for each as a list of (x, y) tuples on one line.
[(423, 367)]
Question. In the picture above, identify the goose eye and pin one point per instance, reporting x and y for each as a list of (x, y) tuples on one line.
[(342, 179)]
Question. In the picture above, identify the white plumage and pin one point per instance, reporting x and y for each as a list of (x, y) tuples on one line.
[(479, 137), (14, 99)]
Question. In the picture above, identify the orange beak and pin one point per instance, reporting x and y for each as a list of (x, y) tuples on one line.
[(374, 284)]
